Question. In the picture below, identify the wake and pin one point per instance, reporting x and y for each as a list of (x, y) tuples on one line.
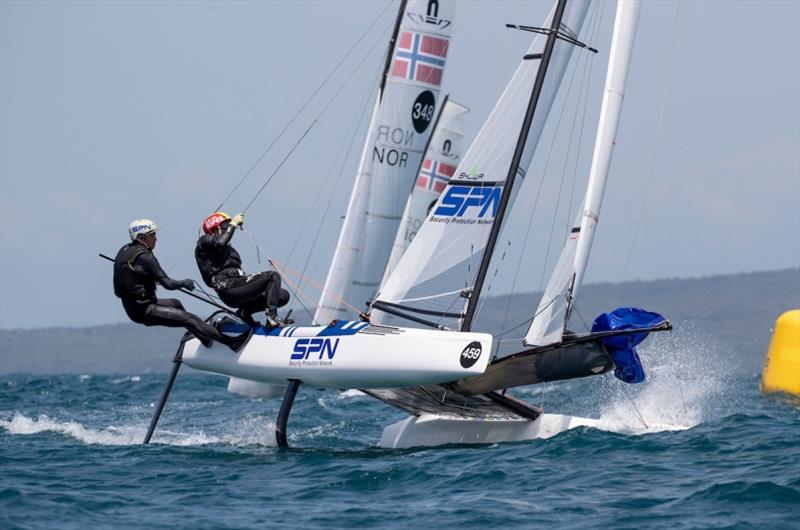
[(248, 432)]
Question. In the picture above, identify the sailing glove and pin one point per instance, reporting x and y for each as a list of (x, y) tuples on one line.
[(187, 284), (237, 220)]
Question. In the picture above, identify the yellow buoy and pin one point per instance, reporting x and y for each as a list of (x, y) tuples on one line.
[(782, 367)]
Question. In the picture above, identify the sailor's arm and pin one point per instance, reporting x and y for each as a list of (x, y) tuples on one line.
[(218, 240), (149, 264)]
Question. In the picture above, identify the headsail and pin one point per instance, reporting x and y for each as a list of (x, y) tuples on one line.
[(436, 275), (554, 309), (399, 129), (438, 167)]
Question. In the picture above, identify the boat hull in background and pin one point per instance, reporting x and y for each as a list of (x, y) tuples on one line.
[(428, 430)]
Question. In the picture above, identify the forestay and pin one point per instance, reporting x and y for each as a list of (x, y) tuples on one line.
[(554, 309), (438, 167), (399, 129), (436, 275)]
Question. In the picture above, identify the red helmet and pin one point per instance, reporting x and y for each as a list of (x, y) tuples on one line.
[(214, 220)]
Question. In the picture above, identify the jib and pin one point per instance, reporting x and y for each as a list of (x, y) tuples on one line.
[(303, 348), (459, 198)]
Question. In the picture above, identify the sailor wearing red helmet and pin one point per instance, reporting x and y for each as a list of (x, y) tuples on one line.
[(221, 268)]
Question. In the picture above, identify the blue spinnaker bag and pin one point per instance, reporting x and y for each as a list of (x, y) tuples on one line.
[(622, 348)]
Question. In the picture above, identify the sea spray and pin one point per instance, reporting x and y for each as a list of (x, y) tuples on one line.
[(684, 379)]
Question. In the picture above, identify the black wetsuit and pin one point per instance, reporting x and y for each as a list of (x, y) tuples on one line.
[(136, 272), (221, 268)]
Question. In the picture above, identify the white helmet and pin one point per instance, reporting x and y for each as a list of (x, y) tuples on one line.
[(141, 227)]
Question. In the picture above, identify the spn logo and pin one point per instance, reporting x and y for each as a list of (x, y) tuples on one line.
[(457, 200), (471, 354), (303, 348)]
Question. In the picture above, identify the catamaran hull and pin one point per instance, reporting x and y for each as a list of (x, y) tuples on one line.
[(370, 357), (254, 389), (429, 430)]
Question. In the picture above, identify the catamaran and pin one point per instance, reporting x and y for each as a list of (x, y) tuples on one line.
[(445, 376)]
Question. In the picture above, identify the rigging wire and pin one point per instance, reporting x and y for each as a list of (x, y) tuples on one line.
[(657, 145), (563, 175), (313, 122), (289, 124), (347, 152), (323, 191), (596, 18), (303, 107)]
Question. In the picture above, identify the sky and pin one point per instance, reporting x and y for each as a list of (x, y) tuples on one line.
[(112, 111)]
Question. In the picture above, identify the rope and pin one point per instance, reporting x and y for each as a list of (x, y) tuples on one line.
[(635, 408), (303, 107), (296, 291), (320, 287), (293, 287)]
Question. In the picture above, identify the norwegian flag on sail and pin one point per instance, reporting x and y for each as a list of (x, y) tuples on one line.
[(420, 57), (434, 175)]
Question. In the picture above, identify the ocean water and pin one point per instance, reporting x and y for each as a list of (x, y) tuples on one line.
[(695, 446)]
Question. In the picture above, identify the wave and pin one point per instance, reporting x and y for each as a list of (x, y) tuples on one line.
[(246, 432)]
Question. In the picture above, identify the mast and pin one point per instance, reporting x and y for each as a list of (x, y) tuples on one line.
[(388, 62), (617, 76), (514, 167), (555, 307)]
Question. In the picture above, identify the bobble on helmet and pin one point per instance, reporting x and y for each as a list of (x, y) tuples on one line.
[(214, 220), (141, 227)]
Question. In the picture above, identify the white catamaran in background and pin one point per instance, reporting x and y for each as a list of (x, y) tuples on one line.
[(399, 129), (444, 377)]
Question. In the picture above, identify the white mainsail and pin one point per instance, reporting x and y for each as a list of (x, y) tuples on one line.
[(438, 167), (399, 129), (553, 312), (438, 271)]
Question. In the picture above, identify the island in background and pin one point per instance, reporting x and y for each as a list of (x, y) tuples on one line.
[(735, 311)]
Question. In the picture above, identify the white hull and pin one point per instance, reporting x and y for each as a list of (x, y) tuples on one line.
[(428, 430), (361, 356), (254, 389)]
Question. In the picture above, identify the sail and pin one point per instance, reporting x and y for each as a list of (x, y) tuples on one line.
[(553, 312), (438, 166), (436, 275), (400, 126)]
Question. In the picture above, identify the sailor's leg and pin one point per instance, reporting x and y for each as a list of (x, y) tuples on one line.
[(169, 312), (283, 414)]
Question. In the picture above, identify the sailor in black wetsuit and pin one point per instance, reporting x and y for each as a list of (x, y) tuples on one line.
[(136, 272), (221, 268)]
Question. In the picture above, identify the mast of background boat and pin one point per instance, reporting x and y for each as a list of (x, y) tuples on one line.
[(348, 235), (388, 63), (512, 170), (616, 76)]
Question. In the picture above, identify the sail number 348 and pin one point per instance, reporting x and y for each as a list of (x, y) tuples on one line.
[(422, 111)]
